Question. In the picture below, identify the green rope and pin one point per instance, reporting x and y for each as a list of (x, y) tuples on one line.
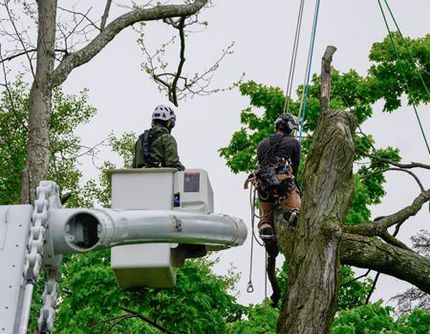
[(390, 34)]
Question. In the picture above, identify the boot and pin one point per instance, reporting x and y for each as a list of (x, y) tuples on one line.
[(266, 232), (291, 217)]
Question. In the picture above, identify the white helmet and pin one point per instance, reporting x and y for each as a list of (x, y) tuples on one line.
[(163, 113)]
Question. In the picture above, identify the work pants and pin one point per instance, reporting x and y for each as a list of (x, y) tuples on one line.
[(291, 202)]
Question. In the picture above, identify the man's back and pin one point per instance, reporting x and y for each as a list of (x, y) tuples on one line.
[(284, 146), (163, 150)]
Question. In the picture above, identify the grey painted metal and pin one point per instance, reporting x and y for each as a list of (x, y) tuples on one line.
[(14, 232), (156, 188), (142, 188), (80, 230), (152, 265), (27, 233), (201, 199)]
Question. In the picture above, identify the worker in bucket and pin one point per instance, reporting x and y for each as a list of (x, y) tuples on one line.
[(156, 147)]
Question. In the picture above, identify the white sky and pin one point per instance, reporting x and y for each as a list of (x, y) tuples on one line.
[(263, 32)]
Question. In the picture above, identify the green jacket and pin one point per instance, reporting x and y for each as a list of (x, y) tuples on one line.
[(163, 150)]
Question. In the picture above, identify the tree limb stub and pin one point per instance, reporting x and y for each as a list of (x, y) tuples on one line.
[(377, 255), (85, 54), (326, 77)]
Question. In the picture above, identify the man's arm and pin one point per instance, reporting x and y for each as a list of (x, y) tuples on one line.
[(171, 157), (295, 159)]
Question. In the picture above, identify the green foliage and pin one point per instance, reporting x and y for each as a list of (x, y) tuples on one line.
[(393, 73), (371, 318), (13, 136), (385, 80), (240, 154), (258, 319), (352, 292), (69, 111), (124, 147), (372, 174), (91, 300), (348, 91), (375, 319)]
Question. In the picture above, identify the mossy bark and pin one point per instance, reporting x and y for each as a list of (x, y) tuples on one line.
[(312, 247)]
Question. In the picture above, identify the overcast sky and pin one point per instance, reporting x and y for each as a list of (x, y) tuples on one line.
[(263, 32)]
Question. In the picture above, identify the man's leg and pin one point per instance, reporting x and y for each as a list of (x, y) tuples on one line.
[(292, 204), (265, 226)]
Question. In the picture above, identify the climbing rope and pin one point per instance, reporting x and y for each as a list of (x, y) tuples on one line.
[(252, 192), (293, 58), (390, 34), (302, 109)]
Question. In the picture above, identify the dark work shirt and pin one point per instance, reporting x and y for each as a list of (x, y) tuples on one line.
[(289, 148)]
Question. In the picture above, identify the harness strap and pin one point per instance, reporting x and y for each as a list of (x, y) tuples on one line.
[(147, 138)]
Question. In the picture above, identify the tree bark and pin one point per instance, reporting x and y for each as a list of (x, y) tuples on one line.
[(313, 255), (39, 114), (313, 276), (377, 255)]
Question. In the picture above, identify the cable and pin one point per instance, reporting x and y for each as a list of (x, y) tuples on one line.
[(407, 47), (403, 74), (308, 69), (253, 215), (252, 191), (265, 275), (293, 58)]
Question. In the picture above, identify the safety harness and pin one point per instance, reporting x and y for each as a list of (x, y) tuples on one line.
[(273, 179), (146, 139)]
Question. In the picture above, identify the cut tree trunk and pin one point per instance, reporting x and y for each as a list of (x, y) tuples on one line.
[(312, 247)]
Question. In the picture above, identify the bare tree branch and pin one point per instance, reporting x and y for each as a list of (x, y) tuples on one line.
[(372, 289), (356, 278), (9, 93), (172, 91), (387, 237), (400, 170), (397, 164), (84, 16), (19, 54), (147, 320), (139, 14), (18, 36), (377, 227), (105, 15)]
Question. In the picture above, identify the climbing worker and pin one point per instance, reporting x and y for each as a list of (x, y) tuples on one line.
[(278, 158), (156, 147)]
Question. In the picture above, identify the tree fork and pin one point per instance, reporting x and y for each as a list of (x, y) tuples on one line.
[(312, 247)]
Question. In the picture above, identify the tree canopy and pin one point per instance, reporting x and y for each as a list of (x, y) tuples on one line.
[(387, 79)]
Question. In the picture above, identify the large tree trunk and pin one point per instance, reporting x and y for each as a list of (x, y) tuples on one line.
[(312, 247), (40, 109)]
